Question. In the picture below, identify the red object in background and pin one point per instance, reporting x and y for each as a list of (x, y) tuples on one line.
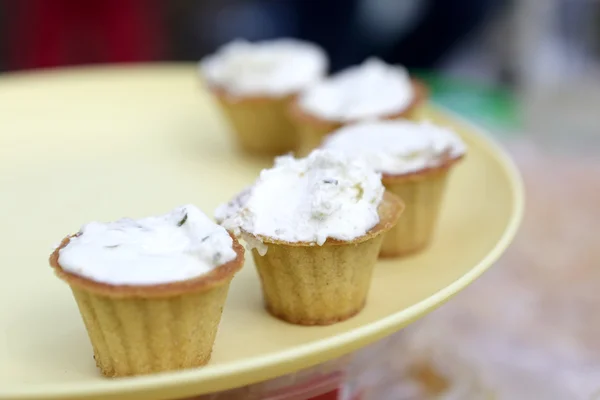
[(44, 33), (328, 396), (324, 387)]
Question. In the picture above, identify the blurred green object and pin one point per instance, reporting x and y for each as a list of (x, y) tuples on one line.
[(492, 107)]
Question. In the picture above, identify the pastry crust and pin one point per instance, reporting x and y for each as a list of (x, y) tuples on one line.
[(261, 124), (223, 94), (423, 193), (136, 330), (307, 284), (424, 173)]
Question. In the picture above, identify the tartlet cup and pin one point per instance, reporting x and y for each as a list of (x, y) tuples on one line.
[(144, 329), (312, 129), (260, 124), (422, 193), (307, 284)]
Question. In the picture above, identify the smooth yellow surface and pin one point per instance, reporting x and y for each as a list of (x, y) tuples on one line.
[(98, 144)]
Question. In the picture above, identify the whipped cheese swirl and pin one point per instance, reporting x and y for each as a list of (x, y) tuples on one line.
[(275, 68), (325, 195), (397, 147), (370, 90), (180, 245)]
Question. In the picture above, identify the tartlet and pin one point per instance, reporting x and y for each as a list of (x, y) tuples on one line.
[(314, 246), (308, 284), (415, 159), (254, 83), (372, 90), (151, 327)]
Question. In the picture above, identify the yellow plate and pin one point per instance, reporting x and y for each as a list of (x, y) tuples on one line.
[(98, 144)]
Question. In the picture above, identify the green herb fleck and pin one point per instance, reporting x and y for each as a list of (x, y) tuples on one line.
[(180, 223), (360, 190)]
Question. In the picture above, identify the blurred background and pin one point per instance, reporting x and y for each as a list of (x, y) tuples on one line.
[(526, 70), (504, 63)]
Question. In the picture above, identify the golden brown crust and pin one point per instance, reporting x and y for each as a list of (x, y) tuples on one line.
[(223, 94), (218, 276), (421, 95), (314, 322), (403, 253), (420, 174), (390, 209)]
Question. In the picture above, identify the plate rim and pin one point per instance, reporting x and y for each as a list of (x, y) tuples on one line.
[(310, 353)]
